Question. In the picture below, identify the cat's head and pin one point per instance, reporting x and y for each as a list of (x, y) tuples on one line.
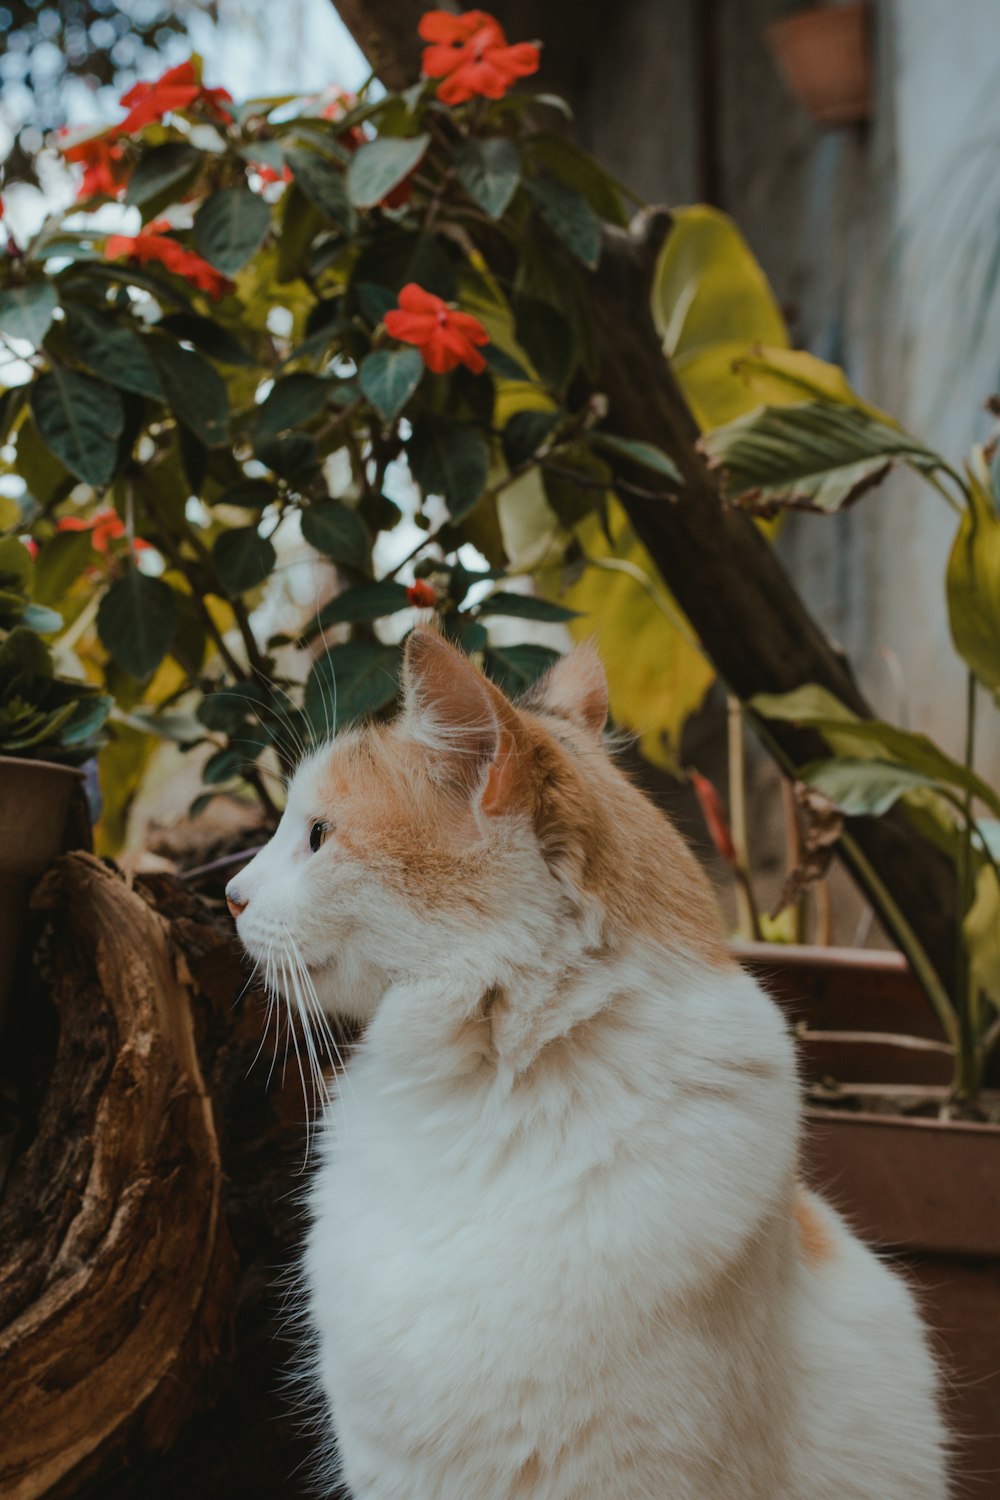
[(468, 836)]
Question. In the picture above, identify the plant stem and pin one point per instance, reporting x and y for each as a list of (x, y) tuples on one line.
[(967, 1061), (748, 923)]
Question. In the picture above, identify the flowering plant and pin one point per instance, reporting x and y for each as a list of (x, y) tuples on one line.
[(327, 312)]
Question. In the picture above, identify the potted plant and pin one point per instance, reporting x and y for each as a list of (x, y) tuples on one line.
[(824, 55), (901, 1066), (49, 725)]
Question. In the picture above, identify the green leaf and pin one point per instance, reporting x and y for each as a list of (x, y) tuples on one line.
[(251, 494), (526, 607), (646, 454), (379, 166), (973, 579), (162, 170), (388, 377), (547, 339), (291, 402), (207, 335), (80, 420), (814, 708), (243, 559), (11, 404), (568, 215), (61, 559), (814, 456), (223, 766), (567, 162), (194, 389), (864, 788), (525, 433), (490, 171), (449, 459), (516, 667), (114, 352), (322, 182), (136, 622), (294, 456), (230, 227), (370, 601), (334, 530), (349, 682), (26, 311)]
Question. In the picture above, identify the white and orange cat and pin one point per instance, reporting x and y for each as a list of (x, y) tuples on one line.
[(558, 1248)]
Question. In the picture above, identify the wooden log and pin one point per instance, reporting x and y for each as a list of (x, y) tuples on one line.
[(145, 1224)]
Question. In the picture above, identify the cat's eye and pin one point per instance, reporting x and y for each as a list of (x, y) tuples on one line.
[(317, 833)]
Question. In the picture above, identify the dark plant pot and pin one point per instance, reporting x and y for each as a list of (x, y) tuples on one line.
[(824, 55), (35, 801), (926, 1190)]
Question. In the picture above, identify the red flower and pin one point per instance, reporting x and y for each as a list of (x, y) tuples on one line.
[(470, 54), (341, 104), (444, 337), (422, 594), (152, 243), (103, 167), (106, 527), (714, 814), (178, 89), (268, 174)]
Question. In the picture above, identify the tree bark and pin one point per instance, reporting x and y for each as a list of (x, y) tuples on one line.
[(149, 1210), (730, 583)]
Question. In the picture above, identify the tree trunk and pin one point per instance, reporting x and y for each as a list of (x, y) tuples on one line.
[(149, 1209), (727, 579)]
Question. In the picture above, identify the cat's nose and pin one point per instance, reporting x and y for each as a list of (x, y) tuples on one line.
[(234, 900)]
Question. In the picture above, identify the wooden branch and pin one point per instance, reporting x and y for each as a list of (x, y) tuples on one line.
[(386, 32)]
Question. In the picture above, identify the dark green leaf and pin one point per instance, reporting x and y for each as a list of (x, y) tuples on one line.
[(243, 559), (349, 682), (646, 454), (567, 162), (864, 788), (294, 456), (490, 171), (110, 350), (322, 182), (526, 607), (503, 365), (391, 259), (449, 459), (568, 215), (819, 455), (389, 377), (370, 601), (517, 667), (291, 402), (525, 433), (546, 338), (206, 334), (375, 301), (230, 227), (251, 494), (379, 166), (301, 222), (136, 621), (161, 171), (80, 419), (26, 311), (224, 765), (194, 458), (334, 530), (61, 559), (194, 389)]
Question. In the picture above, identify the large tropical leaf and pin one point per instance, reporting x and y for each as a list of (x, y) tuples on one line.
[(711, 302), (814, 456), (973, 579)]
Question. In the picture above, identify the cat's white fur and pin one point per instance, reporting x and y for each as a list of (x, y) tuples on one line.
[(556, 1248)]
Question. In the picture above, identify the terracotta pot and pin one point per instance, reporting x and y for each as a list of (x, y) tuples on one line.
[(926, 1190), (824, 56), (35, 799)]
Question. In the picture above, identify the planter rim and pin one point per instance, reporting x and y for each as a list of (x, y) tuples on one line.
[(43, 765), (888, 960), (814, 1112)]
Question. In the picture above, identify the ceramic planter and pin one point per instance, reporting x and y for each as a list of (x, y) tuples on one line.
[(35, 799), (925, 1190), (824, 55)]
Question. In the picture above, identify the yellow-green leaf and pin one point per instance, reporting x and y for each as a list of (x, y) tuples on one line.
[(973, 579)]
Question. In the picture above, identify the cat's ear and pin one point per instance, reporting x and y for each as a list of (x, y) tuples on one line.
[(482, 743), (576, 688)]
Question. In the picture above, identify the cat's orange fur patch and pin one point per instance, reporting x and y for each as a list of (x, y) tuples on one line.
[(814, 1236)]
